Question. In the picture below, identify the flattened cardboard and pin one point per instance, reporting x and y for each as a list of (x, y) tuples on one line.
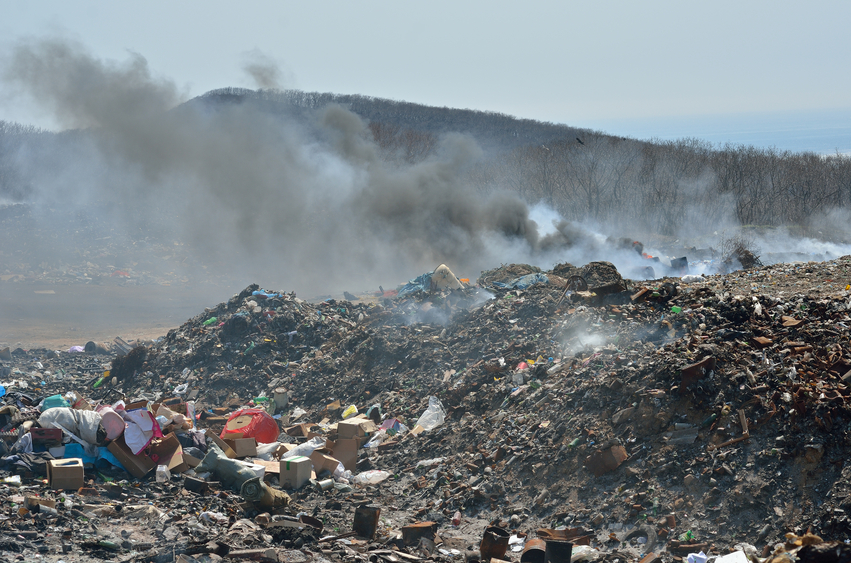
[(65, 473), (31, 502), (243, 447), (136, 405), (272, 467)]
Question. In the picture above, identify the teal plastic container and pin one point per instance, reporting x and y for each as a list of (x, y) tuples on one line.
[(54, 401)]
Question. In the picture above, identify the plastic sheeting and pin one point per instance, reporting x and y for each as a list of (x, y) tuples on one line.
[(440, 278), (420, 283), (82, 424), (433, 416), (523, 282)]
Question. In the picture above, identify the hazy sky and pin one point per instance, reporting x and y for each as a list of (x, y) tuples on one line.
[(580, 63)]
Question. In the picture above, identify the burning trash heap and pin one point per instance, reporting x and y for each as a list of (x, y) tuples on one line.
[(529, 416)]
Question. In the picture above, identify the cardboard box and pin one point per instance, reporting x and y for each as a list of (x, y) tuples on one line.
[(358, 428), (65, 473), (322, 461), (295, 471), (221, 443), (136, 465), (81, 404), (32, 502), (176, 408), (42, 435), (345, 450), (167, 452), (243, 447)]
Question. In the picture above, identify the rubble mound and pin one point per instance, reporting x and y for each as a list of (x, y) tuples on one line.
[(506, 273), (706, 416)]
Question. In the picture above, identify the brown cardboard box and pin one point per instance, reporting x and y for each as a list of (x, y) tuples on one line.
[(136, 465), (356, 428), (168, 452), (243, 447), (31, 502), (177, 408), (65, 473), (221, 443), (45, 435), (81, 403), (295, 471), (322, 461), (345, 450)]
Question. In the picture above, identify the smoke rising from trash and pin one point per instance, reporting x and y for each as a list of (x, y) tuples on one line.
[(266, 198), (310, 208)]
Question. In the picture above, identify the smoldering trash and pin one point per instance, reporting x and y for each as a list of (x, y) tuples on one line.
[(572, 411)]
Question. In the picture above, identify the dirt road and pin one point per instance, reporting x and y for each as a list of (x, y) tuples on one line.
[(60, 316)]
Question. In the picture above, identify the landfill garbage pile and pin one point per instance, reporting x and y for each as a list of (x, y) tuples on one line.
[(533, 419)]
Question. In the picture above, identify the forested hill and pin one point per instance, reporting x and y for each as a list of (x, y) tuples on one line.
[(653, 186), (492, 130)]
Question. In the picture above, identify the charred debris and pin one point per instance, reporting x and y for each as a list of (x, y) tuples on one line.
[(504, 419)]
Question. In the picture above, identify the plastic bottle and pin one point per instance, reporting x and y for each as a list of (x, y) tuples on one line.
[(456, 518), (709, 420), (99, 382), (210, 321), (163, 474)]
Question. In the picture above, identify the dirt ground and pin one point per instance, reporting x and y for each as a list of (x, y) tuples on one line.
[(59, 316)]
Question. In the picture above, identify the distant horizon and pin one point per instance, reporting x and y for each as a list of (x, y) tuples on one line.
[(824, 131)]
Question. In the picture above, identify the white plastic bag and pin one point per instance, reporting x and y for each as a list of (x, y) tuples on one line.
[(584, 553), (433, 416), (376, 440), (306, 448), (371, 477), (265, 451)]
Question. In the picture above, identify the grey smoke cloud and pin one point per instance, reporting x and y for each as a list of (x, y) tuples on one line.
[(264, 71), (82, 91), (268, 198), (262, 197)]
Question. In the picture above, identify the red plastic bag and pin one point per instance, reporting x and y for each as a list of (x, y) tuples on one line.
[(251, 423)]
